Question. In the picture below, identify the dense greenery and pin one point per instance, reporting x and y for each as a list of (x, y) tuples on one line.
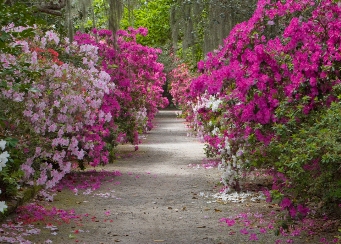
[(153, 15), (309, 154)]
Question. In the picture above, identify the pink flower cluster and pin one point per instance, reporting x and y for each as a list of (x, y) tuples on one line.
[(253, 73), (86, 97), (180, 78), (287, 54), (61, 103), (138, 78)]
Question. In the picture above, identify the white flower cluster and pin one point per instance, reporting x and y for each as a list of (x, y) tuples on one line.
[(215, 131), (3, 205), (3, 160), (4, 155), (141, 115), (213, 103), (231, 165), (240, 197)]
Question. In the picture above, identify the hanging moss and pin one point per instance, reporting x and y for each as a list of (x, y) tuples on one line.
[(202, 25), (115, 14), (79, 12), (68, 20)]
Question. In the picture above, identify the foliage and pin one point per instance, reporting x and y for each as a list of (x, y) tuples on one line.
[(310, 157), (153, 15), (100, 9), (198, 27), (17, 13)]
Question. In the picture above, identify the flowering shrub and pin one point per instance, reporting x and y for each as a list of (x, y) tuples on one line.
[(271, 74), (180, 80), (72, 103), (138, 78), (310, 158), (57, 109)]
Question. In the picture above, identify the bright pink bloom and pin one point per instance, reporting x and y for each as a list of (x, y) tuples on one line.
[(244, 231), (253, 237), (285, 203), (229, 222)]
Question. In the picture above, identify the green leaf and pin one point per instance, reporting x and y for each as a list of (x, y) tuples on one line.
[(3, 84), (4, 36), (12, 142)]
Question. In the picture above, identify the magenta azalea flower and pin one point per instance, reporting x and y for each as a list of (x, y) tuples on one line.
[(244, 231), (286, 202), (262, 230), (293, 212), (230, 222), (253, 237), (302, 210)]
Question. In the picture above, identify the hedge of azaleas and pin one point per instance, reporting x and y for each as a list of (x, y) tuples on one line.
[(67, 104), (275, 74), (180, 79)]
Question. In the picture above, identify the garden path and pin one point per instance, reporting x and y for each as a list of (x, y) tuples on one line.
[(158, 198)]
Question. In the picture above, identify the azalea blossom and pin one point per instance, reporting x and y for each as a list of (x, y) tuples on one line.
[(262, 230), (244, 231), (3, 159), (253, 237), (3, 206), (2, 144), (286, 202)]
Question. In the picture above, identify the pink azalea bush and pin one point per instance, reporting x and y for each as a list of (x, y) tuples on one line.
[(138, 78), (180, 79), (76, 103), (273, 72), (61, 103)]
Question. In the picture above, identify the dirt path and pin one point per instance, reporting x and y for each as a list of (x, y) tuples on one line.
[(157, 199)]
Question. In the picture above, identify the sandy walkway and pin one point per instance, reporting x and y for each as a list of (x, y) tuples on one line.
[(157, 199)]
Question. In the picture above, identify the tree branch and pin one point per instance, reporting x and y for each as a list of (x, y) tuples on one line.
[(50, 11), (54, 6)]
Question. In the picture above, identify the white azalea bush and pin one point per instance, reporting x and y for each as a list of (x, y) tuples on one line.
[(215, 132), (4, 156)]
